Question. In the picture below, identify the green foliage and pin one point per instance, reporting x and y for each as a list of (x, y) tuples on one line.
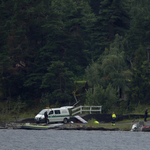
[(113, 19), (113, 65), (103, 97), (109, 73), (139, 30), (92, 74), (37, 34), (47, 45), (139, 84), (58, 80)]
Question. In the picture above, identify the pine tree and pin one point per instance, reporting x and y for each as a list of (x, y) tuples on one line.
[(59, 81), (139, 27), (113, 19)]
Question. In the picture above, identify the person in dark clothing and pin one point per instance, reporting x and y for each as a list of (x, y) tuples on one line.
[(46, 116), (146, 115)]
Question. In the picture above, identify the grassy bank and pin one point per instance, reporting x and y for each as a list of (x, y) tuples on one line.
[(124, 125)]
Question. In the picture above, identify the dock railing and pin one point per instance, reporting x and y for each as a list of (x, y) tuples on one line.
[(90, 109)]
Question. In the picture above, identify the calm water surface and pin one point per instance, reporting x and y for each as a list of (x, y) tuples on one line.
[(73, 140)]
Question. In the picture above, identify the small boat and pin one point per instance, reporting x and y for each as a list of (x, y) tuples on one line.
[(34, 127), (146, 128), (134, 127)]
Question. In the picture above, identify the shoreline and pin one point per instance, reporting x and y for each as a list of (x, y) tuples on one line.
[(69, 126)]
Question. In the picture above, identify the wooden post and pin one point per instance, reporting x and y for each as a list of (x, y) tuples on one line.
[(80, 109), (90, 109)]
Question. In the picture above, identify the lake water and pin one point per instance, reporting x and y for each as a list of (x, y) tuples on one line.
[(73, 140)]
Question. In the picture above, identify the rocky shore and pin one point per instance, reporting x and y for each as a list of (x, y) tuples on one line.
[(70, 126), (19, 123), (84, 127), (61, 127)]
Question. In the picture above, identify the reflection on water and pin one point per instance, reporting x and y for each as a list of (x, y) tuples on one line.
[(73, 140)]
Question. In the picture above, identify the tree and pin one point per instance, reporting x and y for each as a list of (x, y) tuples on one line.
[(59, 81), (39, 33), (100, 96), (113, 19), (71, 34), (139, 26), (22, 38), (109, 73), (94, 5), (139, 83), (93, 74), (114, 64)]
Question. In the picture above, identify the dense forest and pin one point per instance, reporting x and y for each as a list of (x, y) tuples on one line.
[(53, 51)]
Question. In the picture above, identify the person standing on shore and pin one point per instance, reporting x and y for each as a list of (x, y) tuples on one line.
[(113, 119), (46, 116), (146, 115)]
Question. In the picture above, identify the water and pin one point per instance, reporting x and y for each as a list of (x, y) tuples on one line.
[(73, 140)]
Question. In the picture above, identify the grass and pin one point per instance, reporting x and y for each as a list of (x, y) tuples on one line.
[(124, 125), (12, 115), (140, 109)]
